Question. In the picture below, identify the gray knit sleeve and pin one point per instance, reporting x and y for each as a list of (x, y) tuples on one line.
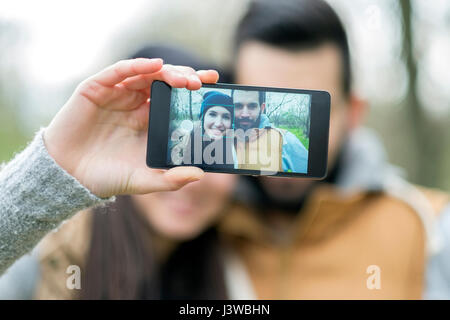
[(36, 196)]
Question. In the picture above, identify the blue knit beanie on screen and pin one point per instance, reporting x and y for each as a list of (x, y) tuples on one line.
[(215, 98)]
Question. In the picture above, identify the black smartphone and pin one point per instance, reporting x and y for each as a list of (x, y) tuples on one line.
[(240, 129)]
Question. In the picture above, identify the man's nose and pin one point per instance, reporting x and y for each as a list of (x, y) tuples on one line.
[(245, 112)]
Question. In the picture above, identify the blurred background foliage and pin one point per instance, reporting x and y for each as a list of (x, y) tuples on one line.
[(400, 50)]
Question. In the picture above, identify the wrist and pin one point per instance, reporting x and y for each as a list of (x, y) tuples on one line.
[(65, 158), (55, 152)]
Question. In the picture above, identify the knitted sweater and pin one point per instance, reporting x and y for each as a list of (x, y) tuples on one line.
[(36, 196)]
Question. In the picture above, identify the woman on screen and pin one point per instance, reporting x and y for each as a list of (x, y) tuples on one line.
[(210, 141), (216, 114)]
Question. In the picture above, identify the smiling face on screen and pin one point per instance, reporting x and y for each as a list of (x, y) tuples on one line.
[(216, 121)]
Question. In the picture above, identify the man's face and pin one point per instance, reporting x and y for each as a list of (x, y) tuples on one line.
[(319, 68), (247, 110)]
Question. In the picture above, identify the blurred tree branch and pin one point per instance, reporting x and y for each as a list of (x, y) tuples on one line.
[(11, 137), (427, 133)]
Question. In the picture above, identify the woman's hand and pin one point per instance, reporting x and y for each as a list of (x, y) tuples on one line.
[(100, 134)]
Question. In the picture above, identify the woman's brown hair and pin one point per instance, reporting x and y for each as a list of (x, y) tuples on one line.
[(121, 262)]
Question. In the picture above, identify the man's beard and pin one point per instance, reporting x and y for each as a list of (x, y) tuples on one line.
[(267, 202), (251, 123)]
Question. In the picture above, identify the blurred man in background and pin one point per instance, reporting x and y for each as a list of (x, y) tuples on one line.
[(361, 233)]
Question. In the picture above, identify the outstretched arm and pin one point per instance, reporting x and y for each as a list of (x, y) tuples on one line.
[(93, 149)]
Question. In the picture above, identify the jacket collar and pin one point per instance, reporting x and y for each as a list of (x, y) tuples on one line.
[(362, 172), (364, 163)]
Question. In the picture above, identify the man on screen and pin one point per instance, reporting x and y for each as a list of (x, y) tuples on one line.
[(262, 140)]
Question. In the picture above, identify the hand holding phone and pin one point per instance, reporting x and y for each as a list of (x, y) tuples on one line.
[(100, 134), (240, 129)]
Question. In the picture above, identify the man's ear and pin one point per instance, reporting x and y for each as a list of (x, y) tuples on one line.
[(263, 106), (358, 109)]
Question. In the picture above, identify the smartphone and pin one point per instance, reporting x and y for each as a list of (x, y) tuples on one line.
[(240, 129)]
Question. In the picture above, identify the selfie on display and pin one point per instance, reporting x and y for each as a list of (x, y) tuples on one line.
[(240, 129)]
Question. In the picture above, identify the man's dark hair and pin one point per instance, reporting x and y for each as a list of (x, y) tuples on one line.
[(295, 25), (261, 96)]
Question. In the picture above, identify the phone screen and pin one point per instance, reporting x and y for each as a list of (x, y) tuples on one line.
[(234, 129)]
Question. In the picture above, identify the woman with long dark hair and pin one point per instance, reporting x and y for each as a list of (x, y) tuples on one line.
[(153, 246), (150, 246)]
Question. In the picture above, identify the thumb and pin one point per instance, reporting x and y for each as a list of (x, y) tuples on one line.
[(154, 180), (179, 176)]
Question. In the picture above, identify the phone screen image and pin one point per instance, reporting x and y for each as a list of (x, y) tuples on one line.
[(234, 129)]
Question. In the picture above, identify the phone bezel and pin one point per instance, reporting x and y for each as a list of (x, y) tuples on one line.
[(158, 132)]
